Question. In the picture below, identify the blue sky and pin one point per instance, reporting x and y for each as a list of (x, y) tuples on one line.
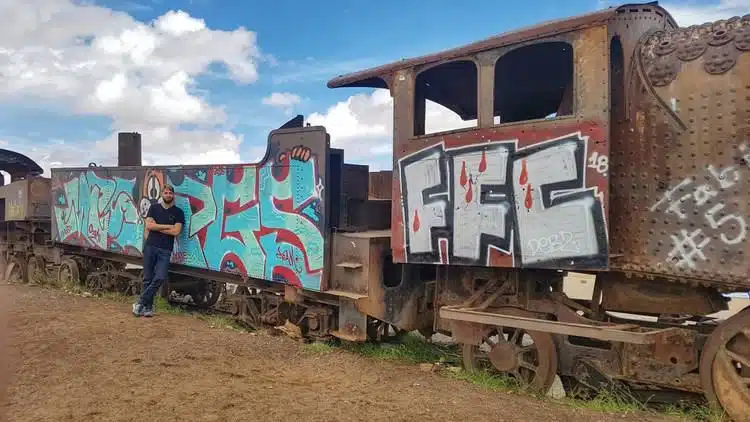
[(299, 47), (313, 44)]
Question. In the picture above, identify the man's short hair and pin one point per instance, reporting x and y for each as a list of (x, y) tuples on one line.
[(167, 187)]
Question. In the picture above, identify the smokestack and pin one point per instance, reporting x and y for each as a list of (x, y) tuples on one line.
[(128, 149)]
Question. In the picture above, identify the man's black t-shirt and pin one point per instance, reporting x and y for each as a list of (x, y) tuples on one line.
[(161, 215)]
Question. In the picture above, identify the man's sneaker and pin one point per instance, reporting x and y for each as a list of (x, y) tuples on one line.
[(137, 309), (148, 313)]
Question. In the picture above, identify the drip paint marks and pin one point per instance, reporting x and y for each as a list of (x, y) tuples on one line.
[(265, 221), (496, 204)]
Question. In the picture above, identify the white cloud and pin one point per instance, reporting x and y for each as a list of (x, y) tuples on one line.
[(691, 12), (282, 100), (688, 13), (142, 75), (363, 126)]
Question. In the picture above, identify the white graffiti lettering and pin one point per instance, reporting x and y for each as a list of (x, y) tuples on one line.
[(687, 199), (495, 196), (600, 163), (559, 242), (471, 217), (686, 249)]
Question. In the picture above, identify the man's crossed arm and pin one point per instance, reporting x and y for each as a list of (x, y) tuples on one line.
[(170, 229)]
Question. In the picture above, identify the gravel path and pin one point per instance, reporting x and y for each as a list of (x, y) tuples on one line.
[(75, 359)]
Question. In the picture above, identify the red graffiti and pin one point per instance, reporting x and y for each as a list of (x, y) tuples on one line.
[(463, 174), (284, 256), (529, 201), (282, 170), (524, 179), (470, 192), (92, 231), (288, 258), (415, 225), (179, 257), (483, 163)]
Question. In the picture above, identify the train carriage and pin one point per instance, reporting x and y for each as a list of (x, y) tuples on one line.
[(614, 143)]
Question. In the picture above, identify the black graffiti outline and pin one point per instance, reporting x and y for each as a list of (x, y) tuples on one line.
[(566, 191)]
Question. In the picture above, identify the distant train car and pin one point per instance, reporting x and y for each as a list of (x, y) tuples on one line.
[(24, 217), (613, 143)]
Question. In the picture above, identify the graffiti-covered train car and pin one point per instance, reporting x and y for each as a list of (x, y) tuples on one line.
[(266, 220)]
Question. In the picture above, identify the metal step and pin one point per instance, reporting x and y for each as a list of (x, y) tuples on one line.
[(342, 293)]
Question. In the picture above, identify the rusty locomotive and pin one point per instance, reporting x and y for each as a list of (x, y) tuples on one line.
[(614, 143)]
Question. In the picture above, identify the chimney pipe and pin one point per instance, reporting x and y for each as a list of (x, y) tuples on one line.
[(128, 149)]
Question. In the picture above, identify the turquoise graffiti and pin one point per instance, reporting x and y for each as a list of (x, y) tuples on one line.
[(99, 212), (263, 221)]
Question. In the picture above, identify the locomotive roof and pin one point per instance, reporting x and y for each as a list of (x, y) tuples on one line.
[(17, 163), (371, 78)]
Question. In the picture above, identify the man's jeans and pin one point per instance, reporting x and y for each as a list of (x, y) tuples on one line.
[(155, 266)]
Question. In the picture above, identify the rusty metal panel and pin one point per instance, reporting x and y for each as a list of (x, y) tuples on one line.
[(16, 195), (524, 194), (682, 162), (380, 184), (39, 195), (354, 263), (368, 215), (355, 181), (266, 220)]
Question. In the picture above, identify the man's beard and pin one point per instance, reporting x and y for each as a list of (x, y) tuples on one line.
[(167, 201)]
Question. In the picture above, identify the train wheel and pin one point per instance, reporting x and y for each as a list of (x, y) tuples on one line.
[(208, 294), (725, 366), (68, 274), (15, 271), (37, 270), (529, 356)]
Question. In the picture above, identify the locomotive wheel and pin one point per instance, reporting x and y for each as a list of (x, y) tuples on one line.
[(15, 271), (68, 274), (532, 363), (37, 270), (102, 279), (725, 366), (208, 294)]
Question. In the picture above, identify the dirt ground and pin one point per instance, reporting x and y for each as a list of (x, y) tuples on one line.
[(75, 359)]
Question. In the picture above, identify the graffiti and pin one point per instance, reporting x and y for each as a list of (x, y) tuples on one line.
[(98, 211), (463, 204), (599, 162), (264, 221), (558, 242), (688, 198)]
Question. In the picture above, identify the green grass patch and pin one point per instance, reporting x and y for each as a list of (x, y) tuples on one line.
[(410, 349), (485, 380), (694, 412), (607, 401), (319, 347)]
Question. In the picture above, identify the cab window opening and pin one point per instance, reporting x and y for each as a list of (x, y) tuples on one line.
[(445, 98), (534, 82)]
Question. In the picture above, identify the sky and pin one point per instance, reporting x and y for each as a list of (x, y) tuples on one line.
[(204, 81)]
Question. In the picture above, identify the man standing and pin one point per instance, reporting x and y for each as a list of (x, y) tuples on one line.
[(164, 222)]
